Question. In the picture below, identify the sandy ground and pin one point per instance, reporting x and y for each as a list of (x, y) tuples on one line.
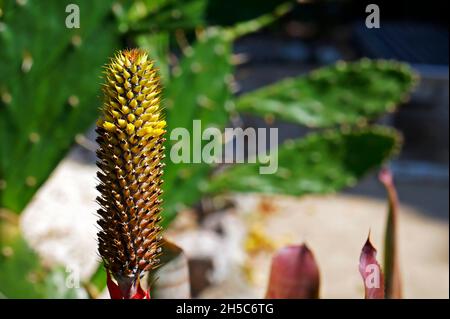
[(335, 228), (60, 224)]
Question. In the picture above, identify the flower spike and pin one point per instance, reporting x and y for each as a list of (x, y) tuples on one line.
[(130, 137)]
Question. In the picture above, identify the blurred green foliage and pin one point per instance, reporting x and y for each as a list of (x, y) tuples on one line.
[(341, 94), (154, 16), (22, 274), (199, 90), (50, 88)]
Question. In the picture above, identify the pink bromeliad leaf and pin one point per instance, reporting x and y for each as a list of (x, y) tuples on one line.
[(113, 288), (133, 291), (294, 274), (371, 272)]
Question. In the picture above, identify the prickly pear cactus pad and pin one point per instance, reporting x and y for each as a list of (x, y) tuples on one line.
[(49, 84), (321, 163), (343, 93), (203, 79), (130, 140)]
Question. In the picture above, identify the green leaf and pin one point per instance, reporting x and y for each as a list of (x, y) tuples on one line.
[(321, 163), (97, 283), (49, 88), (160, 15), (344, 93), (243, 28)]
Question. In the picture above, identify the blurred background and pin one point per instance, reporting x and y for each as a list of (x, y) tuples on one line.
[(231, 63)]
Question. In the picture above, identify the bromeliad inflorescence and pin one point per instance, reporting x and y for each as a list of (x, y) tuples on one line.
[(130, 153)]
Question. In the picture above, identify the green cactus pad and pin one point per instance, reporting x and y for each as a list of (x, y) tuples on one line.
[(343, 93), (321, 163), (48, 88), (199, 90)]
